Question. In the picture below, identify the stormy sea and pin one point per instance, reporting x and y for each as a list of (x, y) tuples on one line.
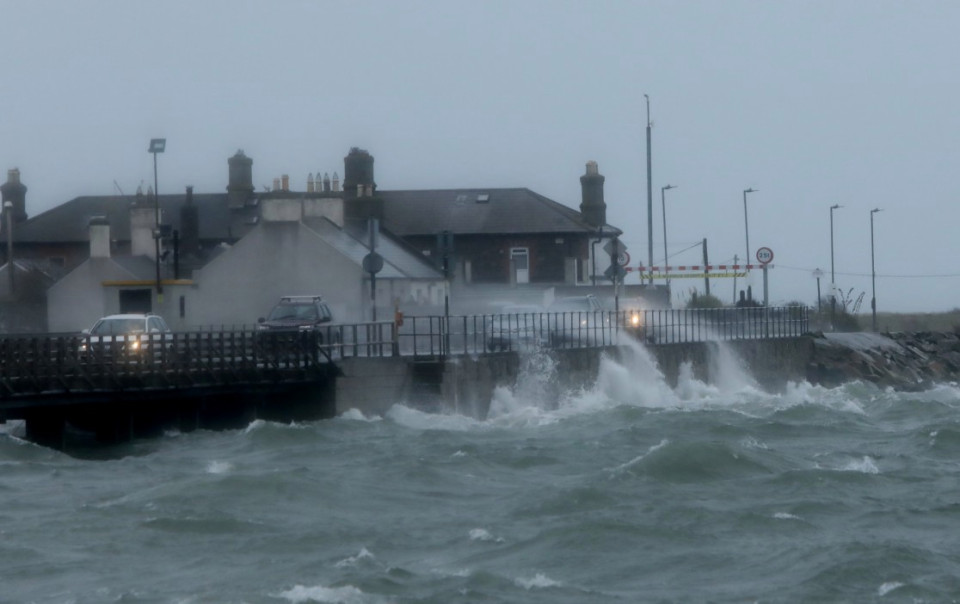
[(628, 490)]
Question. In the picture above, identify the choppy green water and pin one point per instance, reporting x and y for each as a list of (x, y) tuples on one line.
[(630, 491)]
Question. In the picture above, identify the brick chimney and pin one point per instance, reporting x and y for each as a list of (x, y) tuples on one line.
[(357, 170), (240, 187), (189, 225), (142, 223), (99, 228), (592, 208), (360, 200), (15, 192)]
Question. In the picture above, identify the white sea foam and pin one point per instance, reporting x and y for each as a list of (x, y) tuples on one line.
[(532, 398), (354, 560), (480, 534), (510, 410), (888, 587), (538, 581), (255, 425), (422, 420), (354, 414), (865, 466), (219, 467), (785, 516), (333, 595), (626, 466)]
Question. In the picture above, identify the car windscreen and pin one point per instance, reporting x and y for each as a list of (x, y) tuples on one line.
[(298, 312), (108, 327)]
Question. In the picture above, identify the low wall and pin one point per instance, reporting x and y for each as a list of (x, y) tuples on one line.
[(466, 385)]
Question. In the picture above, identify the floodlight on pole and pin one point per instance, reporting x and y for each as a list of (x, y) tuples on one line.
[(157, 145)]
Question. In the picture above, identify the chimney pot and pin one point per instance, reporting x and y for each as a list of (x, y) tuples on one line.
[(592, 208)]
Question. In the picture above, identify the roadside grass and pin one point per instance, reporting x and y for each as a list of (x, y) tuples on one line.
[(914, 322)]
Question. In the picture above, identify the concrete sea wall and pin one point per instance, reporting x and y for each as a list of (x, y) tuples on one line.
[(466, 385)]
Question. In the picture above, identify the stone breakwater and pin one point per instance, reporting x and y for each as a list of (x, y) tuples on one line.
[(903, 361)]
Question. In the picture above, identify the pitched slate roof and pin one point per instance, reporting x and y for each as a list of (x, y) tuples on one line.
[(399, 262), (478, 211), (68, 223), (406, 213)]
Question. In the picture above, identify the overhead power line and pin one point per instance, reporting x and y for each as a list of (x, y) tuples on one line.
[(885, 276)]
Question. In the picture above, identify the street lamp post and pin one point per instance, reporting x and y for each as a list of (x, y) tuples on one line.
[(746, 227), (833, 283), (873, 273), (663, 208), (649, 192), (157, 145), (8, 210)]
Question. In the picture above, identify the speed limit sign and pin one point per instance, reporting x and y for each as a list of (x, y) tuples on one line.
[(764, 255)]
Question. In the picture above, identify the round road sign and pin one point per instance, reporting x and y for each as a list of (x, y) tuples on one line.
[(373, 263), (623, 259), (764, 255)]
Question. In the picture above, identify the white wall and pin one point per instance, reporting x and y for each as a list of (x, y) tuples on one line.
[(273, 260), (77, 300)]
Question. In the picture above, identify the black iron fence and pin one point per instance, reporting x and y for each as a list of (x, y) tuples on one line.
[(63, 362), (438, 335)]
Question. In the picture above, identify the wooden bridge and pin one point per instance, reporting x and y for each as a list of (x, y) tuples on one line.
[(138, 384)]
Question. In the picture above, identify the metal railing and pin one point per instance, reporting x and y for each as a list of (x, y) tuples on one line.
[(438, 335), (63, 362)]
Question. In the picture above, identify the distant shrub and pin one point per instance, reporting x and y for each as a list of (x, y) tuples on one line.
[(795, 309), (844, 321), (705, 301)]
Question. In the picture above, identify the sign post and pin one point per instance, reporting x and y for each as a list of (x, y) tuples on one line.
[(764, 257), (618, 259), (817, 274)]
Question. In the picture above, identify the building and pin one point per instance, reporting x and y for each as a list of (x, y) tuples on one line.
[(226, 257)]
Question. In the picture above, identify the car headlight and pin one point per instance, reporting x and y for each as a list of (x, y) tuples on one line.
[(635, 320)]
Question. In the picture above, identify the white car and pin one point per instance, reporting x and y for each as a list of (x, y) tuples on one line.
[(130, 335), (578, 321), (516, 327)]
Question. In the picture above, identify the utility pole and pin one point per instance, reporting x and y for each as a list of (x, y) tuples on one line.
[(873, 274), (833, 282), (735, 260), (706, 263), (746, 226)]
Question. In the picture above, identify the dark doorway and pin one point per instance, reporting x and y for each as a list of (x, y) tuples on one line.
[(135, 300)]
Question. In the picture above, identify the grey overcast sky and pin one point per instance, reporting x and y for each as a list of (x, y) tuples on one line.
[(812, 103)]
